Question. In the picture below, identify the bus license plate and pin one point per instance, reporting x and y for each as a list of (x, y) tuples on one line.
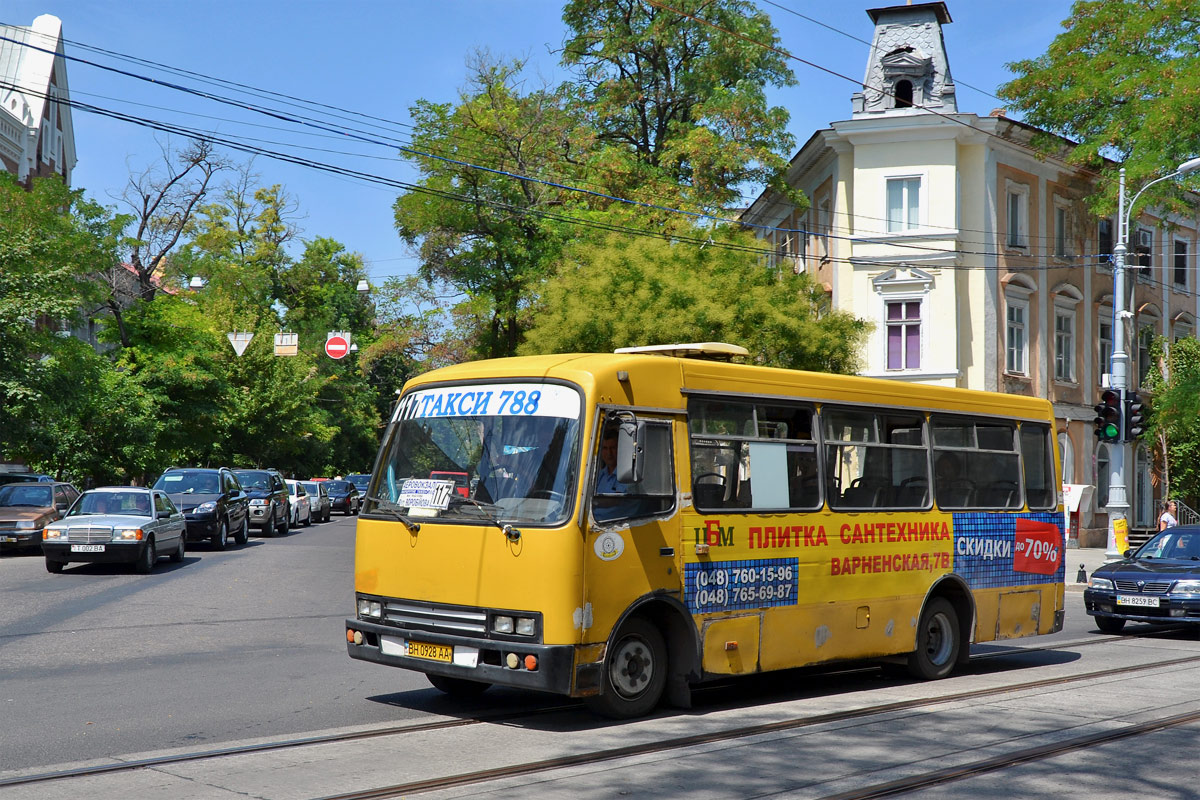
[(87, 548), (431, 652), (1137, 600)]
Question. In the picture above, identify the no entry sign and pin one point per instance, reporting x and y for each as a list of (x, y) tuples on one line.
[(336, 347)]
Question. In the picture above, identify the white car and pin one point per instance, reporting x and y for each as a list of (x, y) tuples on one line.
[(301, 510), (318, 500)]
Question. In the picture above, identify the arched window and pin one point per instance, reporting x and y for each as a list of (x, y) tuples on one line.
[(904, 94)]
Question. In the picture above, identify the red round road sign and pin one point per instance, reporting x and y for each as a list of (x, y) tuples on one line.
[(336, 347)]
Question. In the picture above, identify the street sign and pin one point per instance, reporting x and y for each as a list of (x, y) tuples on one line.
[(336, 347), (240, 341), (286, 344)]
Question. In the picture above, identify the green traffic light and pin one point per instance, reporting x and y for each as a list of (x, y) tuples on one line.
[(1111, 431)]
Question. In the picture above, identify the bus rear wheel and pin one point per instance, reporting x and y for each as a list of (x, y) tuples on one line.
[(635, 672), (937, 642), (457, 687)]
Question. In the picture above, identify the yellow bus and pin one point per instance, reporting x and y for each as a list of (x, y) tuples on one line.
[(620, 527)]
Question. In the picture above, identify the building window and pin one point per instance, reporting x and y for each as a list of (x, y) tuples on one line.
[(1145, 339), (1105, 327), (1018, 221), (1064, 345), (903, 204), (904, 94), (904, 334), (1062, 232), (1017, 343), (1104, 244), (1143, 248), (1181, 258), (1183, 329), (824, 224)]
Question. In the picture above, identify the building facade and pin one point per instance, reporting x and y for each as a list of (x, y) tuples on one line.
[(37, 138), (975, 255)]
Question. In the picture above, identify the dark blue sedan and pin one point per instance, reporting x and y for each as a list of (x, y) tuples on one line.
[(1159, 582)]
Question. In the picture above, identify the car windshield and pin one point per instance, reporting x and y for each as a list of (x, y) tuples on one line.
[(310, 487), (253, 479), (188, 482), (133, 504), (360, 481), (293, 489), (26, 494), (483, 453), (1176, 543), (339, 487)]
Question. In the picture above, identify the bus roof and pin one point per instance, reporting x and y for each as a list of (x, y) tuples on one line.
[(664, 381)]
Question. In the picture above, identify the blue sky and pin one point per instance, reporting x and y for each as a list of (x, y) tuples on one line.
[(379, 58)]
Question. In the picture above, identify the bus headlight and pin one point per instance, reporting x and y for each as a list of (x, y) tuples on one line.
[(369, 609), (526, 626), (502, 624)]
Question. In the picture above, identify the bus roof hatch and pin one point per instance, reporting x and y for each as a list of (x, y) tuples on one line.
[(712, 350)]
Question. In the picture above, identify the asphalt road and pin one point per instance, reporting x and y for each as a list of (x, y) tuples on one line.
[(242, 644), (228, 647)]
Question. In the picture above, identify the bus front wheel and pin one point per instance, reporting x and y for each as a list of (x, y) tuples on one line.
[(457, 687), (937, 642), (635, 672)]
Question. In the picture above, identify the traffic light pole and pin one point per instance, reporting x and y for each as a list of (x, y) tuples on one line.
[(1118, 497)]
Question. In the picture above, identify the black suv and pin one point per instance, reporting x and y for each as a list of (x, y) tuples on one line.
[(343, 496), (270, 504), (213, 502)]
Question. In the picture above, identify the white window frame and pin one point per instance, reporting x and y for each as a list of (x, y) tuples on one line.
[(1187, 257), (1142, 237), (1153, 324), (1063, 233), (1104, 317), (906, 225), (1067, 450), (1016, 238), (1017, 292), (904, 324), (1064, 344)]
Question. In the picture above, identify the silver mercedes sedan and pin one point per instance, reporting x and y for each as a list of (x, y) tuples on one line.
[(116, 524)]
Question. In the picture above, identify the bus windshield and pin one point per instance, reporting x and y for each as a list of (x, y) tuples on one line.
[(484, 453)]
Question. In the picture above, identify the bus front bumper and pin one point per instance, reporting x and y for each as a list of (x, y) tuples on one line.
[(484, 660)]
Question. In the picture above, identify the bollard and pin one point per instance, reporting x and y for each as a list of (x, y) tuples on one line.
[(1082, 576)]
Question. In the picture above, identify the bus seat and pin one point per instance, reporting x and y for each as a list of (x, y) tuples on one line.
[(862, 496), (708, 493), (911, 493), (998, 494), (959, 493)]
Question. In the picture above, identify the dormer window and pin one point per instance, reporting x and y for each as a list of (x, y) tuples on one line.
[(904, 94)]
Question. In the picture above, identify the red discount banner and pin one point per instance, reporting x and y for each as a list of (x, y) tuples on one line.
[(1038, 547)]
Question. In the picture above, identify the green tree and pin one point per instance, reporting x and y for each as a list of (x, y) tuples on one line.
[(1174, 422), (679, 97), (483, 231), (627, 292), (1121, 80)]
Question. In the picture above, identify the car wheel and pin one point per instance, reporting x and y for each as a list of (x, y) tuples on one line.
[(55, 566), (181, 551), (1110, 624), (287, 523), (220, 539), (148, 559), (937, 642), (243, 534), (635, 672), (457, 687)]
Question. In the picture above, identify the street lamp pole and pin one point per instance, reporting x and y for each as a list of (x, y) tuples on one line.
[(1118, 496)]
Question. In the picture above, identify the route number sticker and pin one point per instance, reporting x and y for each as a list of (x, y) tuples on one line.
[(424, 493)]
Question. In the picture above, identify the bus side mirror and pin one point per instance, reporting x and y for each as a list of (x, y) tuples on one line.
[(631, 444)]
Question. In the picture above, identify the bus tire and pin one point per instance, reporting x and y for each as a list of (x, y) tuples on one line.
[(635, 672), (457, 687), (938, 642), (1110, 624)]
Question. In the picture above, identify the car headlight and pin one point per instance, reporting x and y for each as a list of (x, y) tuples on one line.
[(369, 609), (1186, 587), (206, 508), (27, 524), (53, 533), (1100, 583), (258, 502), (129, 534)]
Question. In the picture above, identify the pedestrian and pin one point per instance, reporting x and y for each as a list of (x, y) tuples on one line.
[(1167, 518)]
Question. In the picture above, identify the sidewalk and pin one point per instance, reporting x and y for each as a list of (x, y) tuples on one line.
[(1089, 557)]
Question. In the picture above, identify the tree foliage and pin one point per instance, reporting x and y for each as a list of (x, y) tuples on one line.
[(1122, 80), (1174, 421), (647, 291)]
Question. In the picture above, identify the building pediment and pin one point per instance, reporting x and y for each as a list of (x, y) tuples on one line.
[(906, 61), (903, 279)]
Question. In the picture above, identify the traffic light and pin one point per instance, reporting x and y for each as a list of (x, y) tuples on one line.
[(1135, 416), (1108, 417)]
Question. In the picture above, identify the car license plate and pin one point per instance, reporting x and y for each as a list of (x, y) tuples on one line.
[(8, 538), (431, 652), (1137, 600), (87, 548)]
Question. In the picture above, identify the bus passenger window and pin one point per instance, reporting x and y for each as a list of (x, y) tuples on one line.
[(654, 494)]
